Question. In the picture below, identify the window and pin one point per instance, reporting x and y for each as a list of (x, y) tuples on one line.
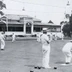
[(16, 28), (3, 27), (20, 29), (37, 29), (37, 21)]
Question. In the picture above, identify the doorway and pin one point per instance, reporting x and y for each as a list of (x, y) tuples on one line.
[(28, 28)]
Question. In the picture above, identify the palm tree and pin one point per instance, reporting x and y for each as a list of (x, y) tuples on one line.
[(2, 5), (2, 16)]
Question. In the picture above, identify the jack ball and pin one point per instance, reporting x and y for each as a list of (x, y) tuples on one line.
[(55, 67)]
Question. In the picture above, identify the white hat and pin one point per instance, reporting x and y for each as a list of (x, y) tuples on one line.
[(44, 29)]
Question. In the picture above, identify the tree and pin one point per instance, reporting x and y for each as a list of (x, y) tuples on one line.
[(2, 16), (66, 30), (2, 5), (70, 21)]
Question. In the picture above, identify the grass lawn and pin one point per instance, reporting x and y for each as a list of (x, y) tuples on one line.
[(20, 56)]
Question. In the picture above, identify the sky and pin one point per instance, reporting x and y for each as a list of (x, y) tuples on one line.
[(44, 10)]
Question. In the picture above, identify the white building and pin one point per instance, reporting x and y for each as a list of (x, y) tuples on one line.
[(26, 25)]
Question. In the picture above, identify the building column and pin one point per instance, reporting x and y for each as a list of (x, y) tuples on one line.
[(24, 28), (32, 29), (7, 24)]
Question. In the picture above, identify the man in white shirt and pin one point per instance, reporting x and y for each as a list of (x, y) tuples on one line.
[(2, 38), (13, 37), (67, 50), (44, 39)]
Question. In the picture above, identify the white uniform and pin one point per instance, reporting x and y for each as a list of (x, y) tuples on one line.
[(38, 37), (13, 37), (51, 36), (2, 38), (46, 50), (67, 51)]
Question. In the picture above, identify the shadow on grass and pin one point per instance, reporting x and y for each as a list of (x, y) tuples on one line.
[(30, 65), (61, 62)]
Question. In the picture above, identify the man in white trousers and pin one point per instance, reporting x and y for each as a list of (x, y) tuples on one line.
[(67, 50), (2, 38), (13, 37), (44, 39)]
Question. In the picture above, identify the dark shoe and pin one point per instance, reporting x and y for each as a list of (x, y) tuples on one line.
[(2, 49), (39, 67), (55, 67), (35, 67), (31, 71), (67, 63)]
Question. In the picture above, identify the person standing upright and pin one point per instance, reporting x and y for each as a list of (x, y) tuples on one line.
[(2, 38), (13, 37), (44, 39)]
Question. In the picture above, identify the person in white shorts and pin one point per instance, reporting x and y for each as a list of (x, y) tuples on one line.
[(67, 50), (44, 39)]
